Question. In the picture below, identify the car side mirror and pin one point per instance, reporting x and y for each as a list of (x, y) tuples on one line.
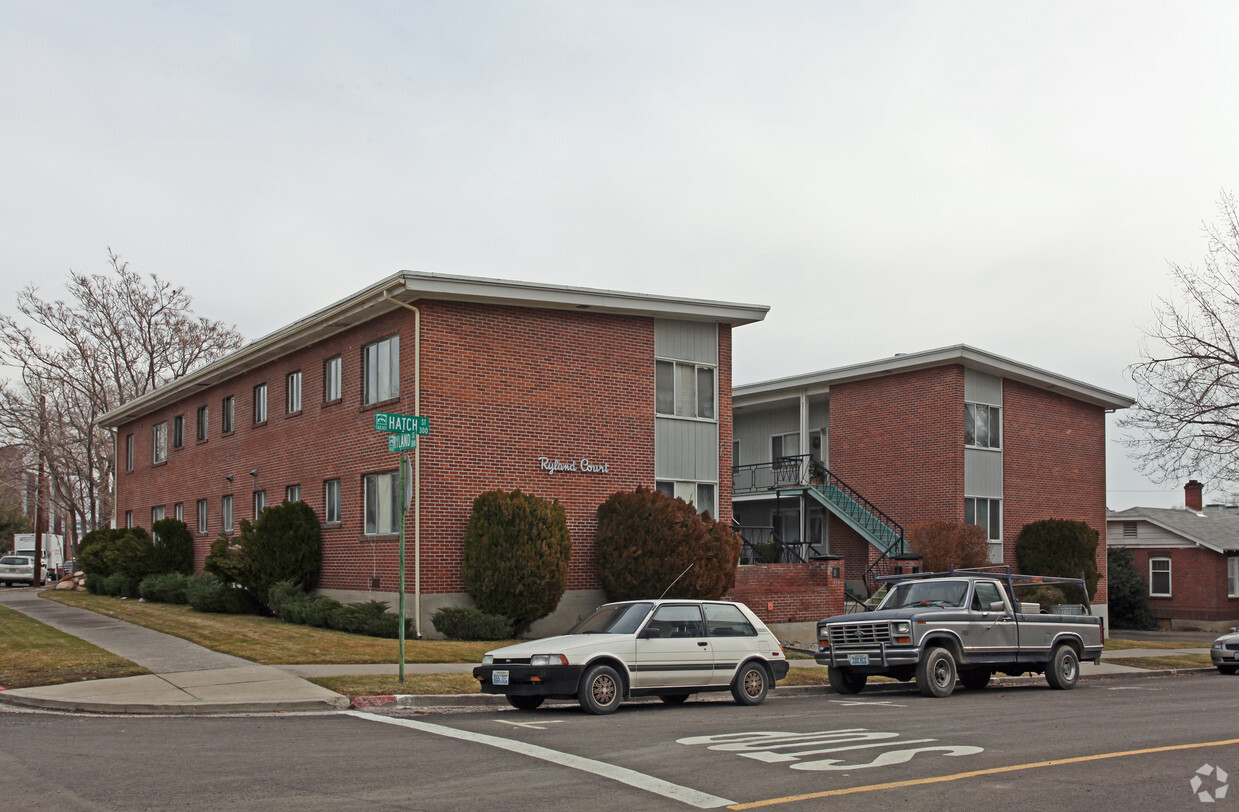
[(646, 634)]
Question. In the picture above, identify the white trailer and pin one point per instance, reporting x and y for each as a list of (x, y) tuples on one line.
[(53, 551)]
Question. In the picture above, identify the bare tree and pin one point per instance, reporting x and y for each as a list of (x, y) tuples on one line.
[(1187, 414), (119, 336)]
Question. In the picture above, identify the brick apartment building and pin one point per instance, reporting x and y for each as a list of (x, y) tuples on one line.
[(622, 389)]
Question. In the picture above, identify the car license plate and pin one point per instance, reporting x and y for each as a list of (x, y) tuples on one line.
[(499, 677), (858, 659)]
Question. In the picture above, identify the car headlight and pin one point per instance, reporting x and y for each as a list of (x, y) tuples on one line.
[(548, 659), (902, 627), (488, 659), (1217, 643)]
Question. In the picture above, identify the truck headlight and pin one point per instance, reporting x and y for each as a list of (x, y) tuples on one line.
[(548, 659), (902, 627)]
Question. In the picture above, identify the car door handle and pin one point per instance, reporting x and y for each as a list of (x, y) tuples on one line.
[(703, 642)]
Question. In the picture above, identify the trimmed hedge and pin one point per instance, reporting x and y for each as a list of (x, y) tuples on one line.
[(291, 604), (168, 587), (461, 623), (207, 593), (284, 544)]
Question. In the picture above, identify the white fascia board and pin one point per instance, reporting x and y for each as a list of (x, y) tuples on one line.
[(962, 354)]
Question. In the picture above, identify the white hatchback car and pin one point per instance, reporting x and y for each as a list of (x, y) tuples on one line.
[(669, 648), (16, 569)]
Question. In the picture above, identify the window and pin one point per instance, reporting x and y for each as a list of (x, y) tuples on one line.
[(698, 494), (202, 422), (159, 442), (1159, 577), (178, 510), (332, 389), (331, 501), (260, 502), (228, 410), (982, 425), (292, 493), (784, 445), (158, 514), (382, 503), (225, 513), (292, 392), (128, 456), (178, 431), (987, 514), (381, 370), (1232, 577), (683, 389), (725, 620), (202, 515), (260, 403), (128, 518)]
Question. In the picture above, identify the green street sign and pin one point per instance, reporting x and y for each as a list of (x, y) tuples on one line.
[(401, 442), (402, 423)]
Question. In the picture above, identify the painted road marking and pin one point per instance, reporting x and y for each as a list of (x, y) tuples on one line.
[(530, 725), (848, 703), (774, 747), (632, 778), (938, 779)]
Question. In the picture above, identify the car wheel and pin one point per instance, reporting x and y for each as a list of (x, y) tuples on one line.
[(935, 673), (673, 699), (1064, 669), (975, 679), (1227, 669), (750, 685), (601, 690), (525, 702), (844, 681)]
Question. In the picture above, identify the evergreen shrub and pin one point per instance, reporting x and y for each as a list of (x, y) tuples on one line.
[(207, 593), (469, 623), (1126, 592), (94, 583), (167, 587), (284, 544), (1059, 547), (172, 548)]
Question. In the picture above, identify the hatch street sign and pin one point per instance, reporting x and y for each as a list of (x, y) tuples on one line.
[(401, 423), (401, 442)]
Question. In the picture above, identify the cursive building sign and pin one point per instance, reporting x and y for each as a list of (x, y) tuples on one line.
[(581, 466)]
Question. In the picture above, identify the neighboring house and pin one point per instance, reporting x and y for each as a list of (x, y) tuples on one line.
[(568, 393), (836, 465), (1189, 556)]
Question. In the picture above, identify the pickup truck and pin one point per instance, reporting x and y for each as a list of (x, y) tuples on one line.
[(935, 627)]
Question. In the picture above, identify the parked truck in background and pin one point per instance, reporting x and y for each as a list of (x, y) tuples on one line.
[(53, 551), (966, 624)]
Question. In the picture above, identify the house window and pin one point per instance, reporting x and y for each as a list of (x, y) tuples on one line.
[(1159, 577), (987, 514), (1232, 577), (1129, 530), (982, 425), (228, 412), (225, 513), (381, 370), (202, 515), (260, 502), (128, 456), (698, 494), (331, 501), (159, 442), (292, 493), (202, 422), (128, 518), (292, 392), (178, 431), (178, 510), (260, 403), (158, 513), (382, 503), (332, 369), (684, 389), (784, 445)]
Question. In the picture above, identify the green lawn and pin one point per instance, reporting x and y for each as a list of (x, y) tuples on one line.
[(32, 653)]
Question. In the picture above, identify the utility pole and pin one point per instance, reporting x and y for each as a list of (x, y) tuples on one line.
[(40, 486)]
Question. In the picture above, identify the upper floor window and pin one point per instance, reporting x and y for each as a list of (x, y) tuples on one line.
[(784, 445), (128, 456), (202, 422), (332, 384), (684, 389), (1232, 577), (178, 431), (381, 370), (292, 392), (260, 403), (982, 425), (159, 442), (228, 411), (1159, 577)]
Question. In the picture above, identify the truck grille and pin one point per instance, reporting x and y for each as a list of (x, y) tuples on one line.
[(859, 635)]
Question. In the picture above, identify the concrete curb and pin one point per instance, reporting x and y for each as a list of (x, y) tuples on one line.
[(170, 709)]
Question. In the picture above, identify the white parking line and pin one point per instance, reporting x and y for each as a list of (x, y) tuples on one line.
[(632, 778)]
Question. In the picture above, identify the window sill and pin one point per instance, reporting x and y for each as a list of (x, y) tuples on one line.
[(366, 407), (686, 417), (297, 413), (982, 447), (159, 464), (258, 424), (380, 537)]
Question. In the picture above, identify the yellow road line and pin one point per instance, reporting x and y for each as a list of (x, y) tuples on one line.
[(991, 771)]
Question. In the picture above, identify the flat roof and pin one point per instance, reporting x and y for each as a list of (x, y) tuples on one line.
[(970, 357), (411, 286)]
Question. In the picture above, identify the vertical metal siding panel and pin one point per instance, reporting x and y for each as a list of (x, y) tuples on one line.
[(754, 430), (981, 387), (686, 340), (982, 473)]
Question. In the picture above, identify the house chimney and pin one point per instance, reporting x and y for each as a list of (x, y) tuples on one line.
[(1192, 495)]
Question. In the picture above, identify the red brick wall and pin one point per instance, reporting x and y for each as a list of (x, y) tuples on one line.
[(502, 386), (789, 593), (1197, 584)]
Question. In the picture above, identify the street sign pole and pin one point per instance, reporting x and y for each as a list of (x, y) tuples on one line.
[(402, 510)]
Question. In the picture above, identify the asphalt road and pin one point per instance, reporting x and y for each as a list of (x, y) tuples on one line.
[(1131, 744)]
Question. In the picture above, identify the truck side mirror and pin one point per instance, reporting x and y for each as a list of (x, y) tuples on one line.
[(998, 606)]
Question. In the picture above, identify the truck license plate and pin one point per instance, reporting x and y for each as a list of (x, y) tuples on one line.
[(499, 677), (858, 659)]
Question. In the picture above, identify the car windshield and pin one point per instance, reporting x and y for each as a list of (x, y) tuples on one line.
[(941, 594), (614, 618)]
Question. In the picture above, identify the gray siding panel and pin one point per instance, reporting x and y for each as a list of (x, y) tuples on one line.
[(686, 340), (982, 473), (685, 450), (980, 387), (754, 428)]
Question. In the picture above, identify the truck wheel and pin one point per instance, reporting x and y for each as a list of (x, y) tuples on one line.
[(975, 679), (524, 702), (935, 673), (846, 682), (601, 690), (750, 685), (1226, 669), (1064, 669)]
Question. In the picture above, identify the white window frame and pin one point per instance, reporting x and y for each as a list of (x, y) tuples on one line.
[(382, 503), (993, 416), (1232, 577), (159, 442), (260, 503), (204, 414), (292, 493), (1168, 571), (781, 441), (689, 406), (129, 456), (292, 392), (260, 403), (128, 518), (228, 415), (203, 515), (158, 514), (380, 370), (695, 492), (179, 511), (225, 513), (333, 379), (178, 431), (993, 525), (332, 501)]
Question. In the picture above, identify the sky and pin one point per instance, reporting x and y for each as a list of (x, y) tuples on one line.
[(887, 177)]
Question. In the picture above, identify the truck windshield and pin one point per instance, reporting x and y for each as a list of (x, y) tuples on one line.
[(941, 594), (614, 618)]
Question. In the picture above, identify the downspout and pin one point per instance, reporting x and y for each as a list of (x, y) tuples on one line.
[(417, 466), (115, 480)]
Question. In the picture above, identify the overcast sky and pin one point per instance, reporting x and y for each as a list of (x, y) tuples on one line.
[(888, 177)]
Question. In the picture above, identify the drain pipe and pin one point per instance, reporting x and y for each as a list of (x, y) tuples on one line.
[(417, 466)]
